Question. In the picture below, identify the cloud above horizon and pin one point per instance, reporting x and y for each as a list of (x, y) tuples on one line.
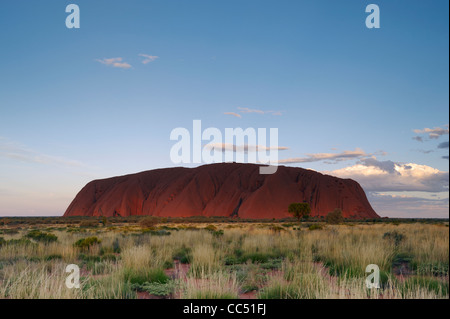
[(246, 110), (224, 147), (115, 63), (333, 157), (148, 58), (233, 113), (385, 176), (433, 133)]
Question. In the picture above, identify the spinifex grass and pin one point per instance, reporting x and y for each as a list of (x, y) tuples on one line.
[(216, 285), (277, 261)]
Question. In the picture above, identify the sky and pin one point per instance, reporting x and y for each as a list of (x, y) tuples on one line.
[(102, 100)]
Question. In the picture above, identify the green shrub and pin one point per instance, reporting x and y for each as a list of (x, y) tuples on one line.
[(39, 236), (231, 260), (272, 264), (218, 233), (168, 264), (87, 242), (315, 227), (299, 210), (145, 276), (401, 258), (344, 271), (183, 255), (156, 288)]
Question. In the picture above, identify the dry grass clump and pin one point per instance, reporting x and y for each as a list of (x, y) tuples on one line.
[(275, 261), (217, 285)]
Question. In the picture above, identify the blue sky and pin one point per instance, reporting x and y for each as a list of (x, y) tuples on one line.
[(367, 104)]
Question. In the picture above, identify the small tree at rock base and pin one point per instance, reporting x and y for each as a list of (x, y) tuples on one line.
[(299, 210), (335, 217)]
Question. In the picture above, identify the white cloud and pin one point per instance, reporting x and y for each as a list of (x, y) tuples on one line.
[(390, 176), (148, 58), (115, 63), (433, 133), (335, 157), (232, 113), (122, 65), (247, 110), (400, 189), (223, 147), (109, 61)]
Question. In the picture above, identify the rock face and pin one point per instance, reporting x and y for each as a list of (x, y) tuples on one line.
[(226, 189)]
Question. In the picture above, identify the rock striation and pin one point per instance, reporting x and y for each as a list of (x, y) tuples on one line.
[(225, 189)]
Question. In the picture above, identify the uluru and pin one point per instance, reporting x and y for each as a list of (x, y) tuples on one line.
[(224, 189)]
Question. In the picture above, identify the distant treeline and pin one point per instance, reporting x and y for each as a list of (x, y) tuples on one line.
[(196, 219)]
